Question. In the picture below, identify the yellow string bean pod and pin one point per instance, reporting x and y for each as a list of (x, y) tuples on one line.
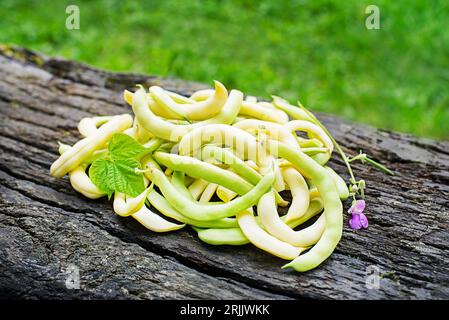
[(196, 110), (174, 132), (333, 209), (84, 148), (207, 212)]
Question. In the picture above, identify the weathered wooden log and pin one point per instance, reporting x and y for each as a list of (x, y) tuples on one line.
[(46, 227)]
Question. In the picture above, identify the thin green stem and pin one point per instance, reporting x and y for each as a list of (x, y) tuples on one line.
[(379, 166), (363, 157)]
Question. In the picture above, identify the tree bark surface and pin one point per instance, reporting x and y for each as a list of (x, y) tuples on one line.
[(47, 230)]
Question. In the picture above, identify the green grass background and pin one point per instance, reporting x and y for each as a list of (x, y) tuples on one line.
[(317, 51)]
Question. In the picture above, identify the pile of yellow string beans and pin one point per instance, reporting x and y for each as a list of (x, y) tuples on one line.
[(221, 162)]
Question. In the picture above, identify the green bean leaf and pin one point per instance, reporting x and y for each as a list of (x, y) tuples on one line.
[(116, 171), (119, 175), (123, 146)]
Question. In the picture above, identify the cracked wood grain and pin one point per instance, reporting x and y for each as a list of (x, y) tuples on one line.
[(45, 225)]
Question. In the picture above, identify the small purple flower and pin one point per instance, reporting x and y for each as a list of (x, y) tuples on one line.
[(357, 207), (358, 220)]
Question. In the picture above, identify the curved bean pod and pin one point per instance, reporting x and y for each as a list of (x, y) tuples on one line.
[(230, 236), (273, 130), (125, 206), (84, 148), (154, 222), (252, 165), (89, 126), (164, 207), (202, 95), (170, 115), (257, 111), (315, 207), (309, 143), (196, 188), (208, 193), (294, 112), (207, 212), (193, 111), (223, 155), (313, 131), (178, 98), (235, 236), (342, 188), (80, 181), (333, 207), (298, 114), (140, 133), (165, 111), (239, 166), (244, 144), (264, 240), (250, 107), (300, 193), (239, 118), (266, 209), (203, 170), (156, 108), (128, 97), (225, 194), (174, 132), (279, 183), (135, 207), (178, 177)]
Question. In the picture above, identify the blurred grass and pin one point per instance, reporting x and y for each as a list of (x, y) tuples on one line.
[(317, 51)]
